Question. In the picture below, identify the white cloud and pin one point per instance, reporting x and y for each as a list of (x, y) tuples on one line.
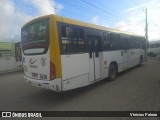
[(135, 20), (142, 6), (44, 6), (121, 26), (58, 7), (95, 19), (130, 27), (12, 19)]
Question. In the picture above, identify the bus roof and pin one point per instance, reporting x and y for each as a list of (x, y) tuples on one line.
[(89, 25), (35, 19), (80, 23)]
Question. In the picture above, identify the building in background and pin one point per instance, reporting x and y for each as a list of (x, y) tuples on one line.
[(10, 56), (7, 48)]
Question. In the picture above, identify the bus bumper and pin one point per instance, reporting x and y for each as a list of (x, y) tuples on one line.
[(51, 84)]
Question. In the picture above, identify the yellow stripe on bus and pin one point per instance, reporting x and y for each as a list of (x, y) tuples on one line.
[(54, 47)]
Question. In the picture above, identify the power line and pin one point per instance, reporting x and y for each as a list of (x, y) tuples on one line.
[(108, 12), (87, 12), (100, 9), (65, 10)]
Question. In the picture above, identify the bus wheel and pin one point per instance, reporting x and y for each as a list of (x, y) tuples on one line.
[(112, 71)]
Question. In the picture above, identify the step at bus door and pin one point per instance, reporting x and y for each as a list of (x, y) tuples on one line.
[(94, 47)]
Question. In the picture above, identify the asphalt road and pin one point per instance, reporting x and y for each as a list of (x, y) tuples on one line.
[(137, 89)]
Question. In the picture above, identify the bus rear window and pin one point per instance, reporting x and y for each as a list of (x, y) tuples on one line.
[(35, 37)]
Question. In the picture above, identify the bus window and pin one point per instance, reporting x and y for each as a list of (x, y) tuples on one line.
[(133, 42), (124, 42), (67, 33), (106, 42), (72, 39), (115, 41), (35, 38), (143, 43)]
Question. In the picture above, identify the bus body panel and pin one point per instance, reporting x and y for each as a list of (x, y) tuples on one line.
[(74, 65), (52, 84), (113, 56), (135, 56), (76, 82), (75, 71), (37, 67)]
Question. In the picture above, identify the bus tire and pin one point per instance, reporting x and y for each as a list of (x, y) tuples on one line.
[(112, 71)]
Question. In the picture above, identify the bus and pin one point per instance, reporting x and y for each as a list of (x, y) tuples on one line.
[(61, 54), (154, 49)]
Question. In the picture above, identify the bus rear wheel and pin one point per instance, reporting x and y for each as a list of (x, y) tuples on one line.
[(112, 71)]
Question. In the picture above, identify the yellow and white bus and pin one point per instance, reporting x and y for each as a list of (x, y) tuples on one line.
[(62, 54)]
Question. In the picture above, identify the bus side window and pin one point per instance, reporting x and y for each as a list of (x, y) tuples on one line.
[(66, 38), (79, 41), (133, 42), (106, 42), (142, 43), (115, 41), (72, 39), (124, 42)]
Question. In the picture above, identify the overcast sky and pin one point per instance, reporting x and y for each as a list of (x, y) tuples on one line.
[(126, 15)]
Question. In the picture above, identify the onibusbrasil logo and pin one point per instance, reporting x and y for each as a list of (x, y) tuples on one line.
[(21, 114)]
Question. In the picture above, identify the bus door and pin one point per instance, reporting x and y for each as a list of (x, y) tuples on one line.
[(125, 52), (94, 47)]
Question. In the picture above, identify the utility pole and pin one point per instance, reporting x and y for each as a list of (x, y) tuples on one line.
[(146, 35), (55, 10)]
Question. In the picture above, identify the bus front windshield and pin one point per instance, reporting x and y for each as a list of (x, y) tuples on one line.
[(35, 37)]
